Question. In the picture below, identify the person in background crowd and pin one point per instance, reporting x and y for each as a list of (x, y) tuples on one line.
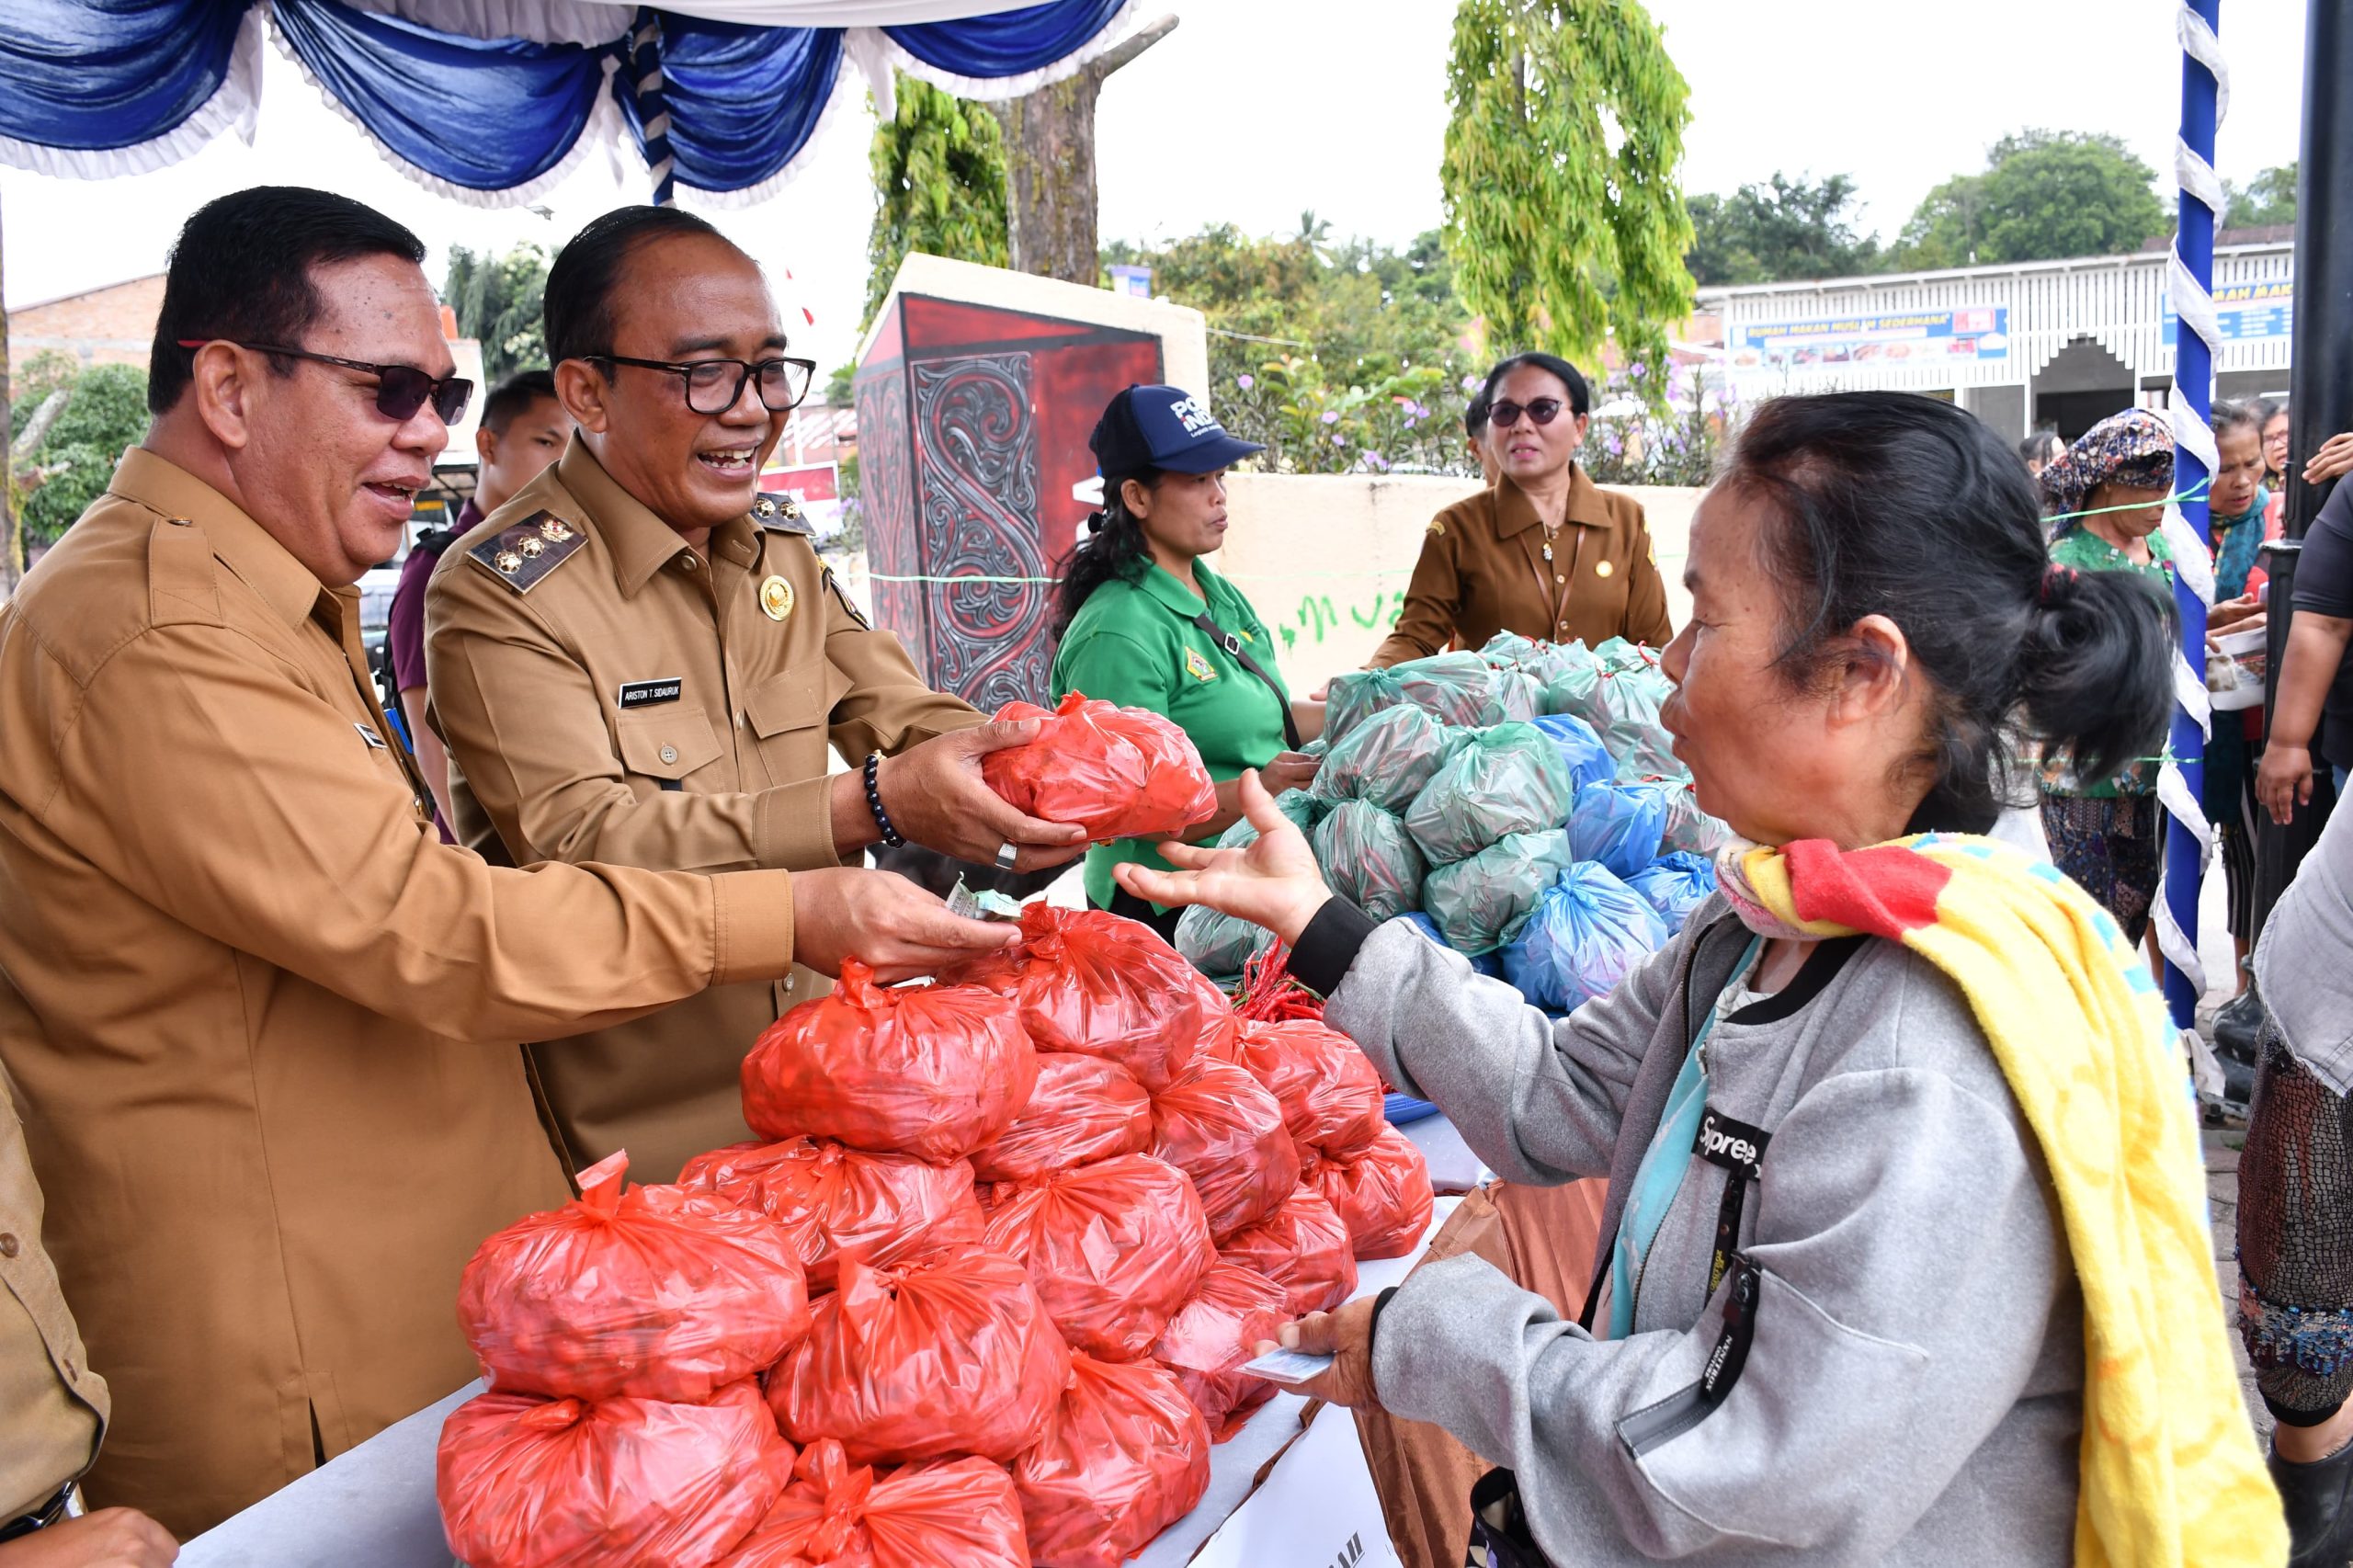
[(52, 1407), (2237, 507), (2311, 707), (1542, 551), (2105, 497), (663, 683), (1883, 1359), (2272, 415), (523, 429), (260, 1021), (1475, 433), (2296, 1186), (1142, 623), (2038, 449)]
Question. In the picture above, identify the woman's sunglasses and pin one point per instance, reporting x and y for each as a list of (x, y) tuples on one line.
[(1543, 410), (401, 389)]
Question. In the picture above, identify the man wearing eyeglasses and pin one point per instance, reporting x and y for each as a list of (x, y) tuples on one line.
[(259, 1020), (641, 659)]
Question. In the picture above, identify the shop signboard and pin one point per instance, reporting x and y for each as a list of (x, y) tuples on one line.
[(1890, 339), (2247, 313)]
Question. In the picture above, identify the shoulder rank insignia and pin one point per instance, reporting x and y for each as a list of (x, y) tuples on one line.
[(779, 512), (520, 555), (841, 596)]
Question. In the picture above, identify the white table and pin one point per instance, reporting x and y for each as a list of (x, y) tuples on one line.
[(373, 1507)]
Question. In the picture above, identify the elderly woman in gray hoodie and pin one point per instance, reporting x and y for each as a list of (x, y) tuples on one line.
[(1841, 1325)]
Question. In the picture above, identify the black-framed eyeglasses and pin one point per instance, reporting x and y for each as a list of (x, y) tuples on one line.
[(401, 389), (714, 385), (1539, 410)]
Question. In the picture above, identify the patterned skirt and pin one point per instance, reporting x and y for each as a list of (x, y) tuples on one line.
[(2295, 1237), (2113, 848)]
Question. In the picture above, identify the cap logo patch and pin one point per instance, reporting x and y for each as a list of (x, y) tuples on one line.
[(1194, 417)]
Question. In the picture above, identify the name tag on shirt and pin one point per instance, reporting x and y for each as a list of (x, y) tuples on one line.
[(647, 693)]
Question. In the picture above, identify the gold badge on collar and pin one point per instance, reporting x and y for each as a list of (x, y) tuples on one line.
[(775, 598), (1602, 569)]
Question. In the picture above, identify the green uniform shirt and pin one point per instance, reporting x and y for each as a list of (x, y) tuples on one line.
[(1133, 643), (2087, 552)]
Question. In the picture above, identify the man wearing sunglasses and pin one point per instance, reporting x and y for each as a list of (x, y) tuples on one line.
[(259, 1020), (663, 683)]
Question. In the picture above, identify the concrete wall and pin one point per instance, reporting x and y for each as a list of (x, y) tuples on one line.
[(1326, 558)]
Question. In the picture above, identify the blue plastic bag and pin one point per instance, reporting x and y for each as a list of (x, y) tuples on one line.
[(1483, 963), (1587, 933), (1675, 884), (1497, 782), (1618, 824), (1587, 759)]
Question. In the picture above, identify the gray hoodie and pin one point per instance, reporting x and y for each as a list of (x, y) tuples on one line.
[(1912, 1387)]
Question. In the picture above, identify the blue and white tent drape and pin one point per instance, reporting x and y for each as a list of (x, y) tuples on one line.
[(492, 101)]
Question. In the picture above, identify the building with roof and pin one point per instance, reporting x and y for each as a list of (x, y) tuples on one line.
[(2025, 345)]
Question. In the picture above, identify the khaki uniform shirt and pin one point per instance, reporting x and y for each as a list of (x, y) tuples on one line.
[(52, 1407), (1483, 570), (261, 1021), (634, 703)]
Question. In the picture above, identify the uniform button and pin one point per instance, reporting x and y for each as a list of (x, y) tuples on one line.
[(669, 753), (1557, 578), (687, 561), (7, 1245)]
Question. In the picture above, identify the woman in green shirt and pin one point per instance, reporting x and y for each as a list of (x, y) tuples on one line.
[(2105, 497), (1144, 624)]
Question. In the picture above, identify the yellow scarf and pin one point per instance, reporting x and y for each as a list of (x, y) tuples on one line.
[(2169, 1469)]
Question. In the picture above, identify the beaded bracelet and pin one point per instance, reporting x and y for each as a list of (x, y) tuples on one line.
[(874, 801)]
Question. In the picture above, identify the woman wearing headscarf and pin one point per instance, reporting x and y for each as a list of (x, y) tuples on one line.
[(1906, 1261), (2105, 500)]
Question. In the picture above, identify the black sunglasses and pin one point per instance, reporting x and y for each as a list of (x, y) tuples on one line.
[(714, 385), (401, 389), (1543, 411)]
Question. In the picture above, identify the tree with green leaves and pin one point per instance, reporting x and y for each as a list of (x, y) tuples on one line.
[(1783, 229), (938, 168), (105, 410), (497, 301), (2269, 198), (2044, 195), (1563, 215)]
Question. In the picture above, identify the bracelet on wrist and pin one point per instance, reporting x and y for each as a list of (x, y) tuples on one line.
[(874, 800)]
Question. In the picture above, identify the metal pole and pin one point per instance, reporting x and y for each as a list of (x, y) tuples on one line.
[(2191, 279), (2320, 381)]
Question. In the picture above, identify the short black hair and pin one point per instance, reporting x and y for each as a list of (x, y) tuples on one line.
[(241, 270), (1580, 398), (1474, 418), (578, 304), (514, 396), (1882, 502)]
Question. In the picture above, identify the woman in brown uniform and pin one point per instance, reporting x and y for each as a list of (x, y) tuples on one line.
[(1545, 553)]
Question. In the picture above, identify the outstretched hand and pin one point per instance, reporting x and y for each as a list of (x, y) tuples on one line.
[(1272, 881)]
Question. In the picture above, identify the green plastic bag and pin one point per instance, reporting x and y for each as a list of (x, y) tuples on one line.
[(1371, 859), (1218, 944), (1514, 697), (1502, 780), (1572, 674), (1479, 903), (1629, 702), (1385, 759), (1688, 829)]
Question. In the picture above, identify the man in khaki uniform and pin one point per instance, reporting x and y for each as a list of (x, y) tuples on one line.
[(261, 1021), (52, 1407), (667, 694)]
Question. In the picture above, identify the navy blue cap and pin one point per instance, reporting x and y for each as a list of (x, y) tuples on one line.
[(1164, 428)]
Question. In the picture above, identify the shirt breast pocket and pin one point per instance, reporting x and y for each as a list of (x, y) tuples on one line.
[(663, 747), (790, 715)]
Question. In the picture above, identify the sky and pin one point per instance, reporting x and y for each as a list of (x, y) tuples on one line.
[(1254, 111)]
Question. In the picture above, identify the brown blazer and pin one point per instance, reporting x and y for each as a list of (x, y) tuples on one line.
[(1483, 570), (261, 1022), (541, 682)]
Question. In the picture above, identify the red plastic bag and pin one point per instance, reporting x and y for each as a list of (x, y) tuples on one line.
[(948, 1357), (1125, 1457), (527, 1482), (1226, 1133), (1083, 1109), (1206, 1343), (1096, 983), (1220, 1025), (887, 1208), (932, 1071), (954, 1513), (660, 1293), (1117, 772), (1114, 1248), (1305, 1248), (1330, 1095), (1382, 1195)]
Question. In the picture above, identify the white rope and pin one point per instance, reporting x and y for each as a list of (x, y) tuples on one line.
[(2191, 559)]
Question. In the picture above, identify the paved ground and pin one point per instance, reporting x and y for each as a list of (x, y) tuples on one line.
[(2223, 1199)]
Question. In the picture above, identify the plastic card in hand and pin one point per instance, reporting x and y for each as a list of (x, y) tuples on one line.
[(1289, 1367)]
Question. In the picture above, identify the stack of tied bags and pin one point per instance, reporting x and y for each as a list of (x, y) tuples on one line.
[(977, 1294), (1520, 804)]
